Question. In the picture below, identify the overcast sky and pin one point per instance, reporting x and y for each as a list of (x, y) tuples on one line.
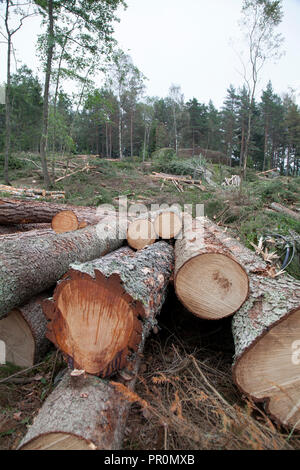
[(187, 43)]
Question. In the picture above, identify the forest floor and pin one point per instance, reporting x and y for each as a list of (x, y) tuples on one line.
[(186, 375)]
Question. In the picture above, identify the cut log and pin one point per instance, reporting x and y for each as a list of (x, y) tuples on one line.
[(141, 233), (209, 281), (29, 267), (91, 416), (31, 212), (70, 220), (266, 333), (285, 210), (102, 309), (167, 224), (23, 332), (32, 192)]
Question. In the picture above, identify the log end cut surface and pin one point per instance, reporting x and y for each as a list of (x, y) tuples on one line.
[(212, 286), (65, 221), (140, 234), (59, 441), (18, 339), (96, 323), (270, 370), (168, 225)]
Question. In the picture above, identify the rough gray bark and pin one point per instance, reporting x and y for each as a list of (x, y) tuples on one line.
[(31, 212), (28, 268), (264, 330), (94, 413), (129, 286)]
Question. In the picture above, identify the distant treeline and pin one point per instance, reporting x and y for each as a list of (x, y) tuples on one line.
[(128, 125)]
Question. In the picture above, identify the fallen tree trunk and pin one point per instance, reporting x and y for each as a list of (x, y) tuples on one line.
[(285, 210), (32, 192), (209, 280), (24, 333), (20, 228), (29, 267), (101, 310), (74, 219), (14, 211), (167, 223), (266, 335), (90, 416)]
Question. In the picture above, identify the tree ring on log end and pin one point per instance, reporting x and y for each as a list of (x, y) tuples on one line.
[(59, 441), (140, 234), (65, 221), (96, 324), (212, 285), (167, 225), (270, 370)]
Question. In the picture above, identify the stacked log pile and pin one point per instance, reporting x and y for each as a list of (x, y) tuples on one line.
[(105, 300)]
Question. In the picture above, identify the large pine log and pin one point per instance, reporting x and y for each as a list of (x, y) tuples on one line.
[(31, 212), (28, 267), (24, 333), (88, 416), (20, 228), (101, 310), (266, 332), (209, 280)]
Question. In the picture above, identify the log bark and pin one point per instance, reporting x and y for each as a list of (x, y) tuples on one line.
[(24, 333), (101, 310), (14, 211), (285, 210), (87, 417), (209, 280), (29, 267), (21, 228), (266, 335)]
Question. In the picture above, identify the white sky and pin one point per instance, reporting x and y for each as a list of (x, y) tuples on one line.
[(187, 42)]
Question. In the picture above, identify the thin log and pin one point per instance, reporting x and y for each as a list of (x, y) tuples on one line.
[(209, 280), (24, 333), (285, 210), (266, 335), (101, 310), (30, 267)]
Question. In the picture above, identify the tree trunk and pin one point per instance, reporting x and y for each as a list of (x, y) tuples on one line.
[(89, 416), (285, 210), (32, 266), (102, 310), (7, 100), (209, 281), (23, 332), (19, 229), (266, 336), (44, 139), (14, 212)]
